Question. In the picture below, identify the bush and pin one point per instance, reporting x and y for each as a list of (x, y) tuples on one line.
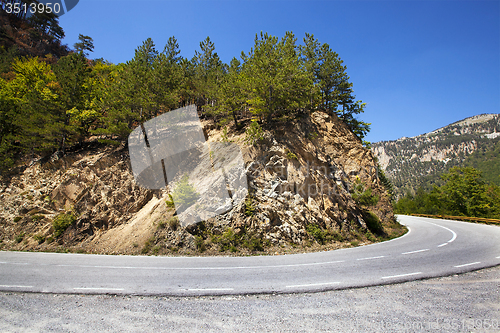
[(230, 241), (373, 223), (317, 233), (290, 155), (19, 238), (249, 208), (224, 136), (200, 243), (147, 246), (36, 218), (254, 133), (161, 224), (254, 244), (61, 222), (173, 223), (312, 136), (363, 196), (184, 194), (39, 238), (17, 218)]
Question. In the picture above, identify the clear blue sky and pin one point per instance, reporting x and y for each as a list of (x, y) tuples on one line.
[(419, 65)]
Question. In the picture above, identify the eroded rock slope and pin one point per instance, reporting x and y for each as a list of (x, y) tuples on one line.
[(312, 185)]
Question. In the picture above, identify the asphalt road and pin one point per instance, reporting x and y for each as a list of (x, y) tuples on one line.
[(432, 248)]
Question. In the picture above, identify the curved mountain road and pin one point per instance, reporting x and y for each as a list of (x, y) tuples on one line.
[(431, 248)]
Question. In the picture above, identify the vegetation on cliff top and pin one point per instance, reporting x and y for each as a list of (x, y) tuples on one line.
[(50, 102)]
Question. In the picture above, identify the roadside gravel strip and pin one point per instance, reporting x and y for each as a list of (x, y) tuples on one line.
[(467, 302)]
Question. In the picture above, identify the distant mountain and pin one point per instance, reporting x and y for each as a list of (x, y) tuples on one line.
[(419, 161)]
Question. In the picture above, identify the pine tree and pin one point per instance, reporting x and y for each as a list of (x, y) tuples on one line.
[(86, 44), (279, 81), (73, 76)]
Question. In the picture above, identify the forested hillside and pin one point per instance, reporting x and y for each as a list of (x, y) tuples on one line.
[(51, 100), (420, 161)]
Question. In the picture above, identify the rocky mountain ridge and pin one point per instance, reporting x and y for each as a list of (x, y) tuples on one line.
[(418, 161), (312, 185)]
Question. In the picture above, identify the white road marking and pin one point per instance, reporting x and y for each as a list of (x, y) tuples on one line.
[(444, 244), (312, 285), (400, 275), (472, 263), (8, 286), (369, 258), (415, 251), (204, 268), (453, 232), (86, 288), (498, 257), (211, 289)]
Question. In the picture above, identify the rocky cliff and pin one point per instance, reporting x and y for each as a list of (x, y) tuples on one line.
[(311, 185), (420, 160)]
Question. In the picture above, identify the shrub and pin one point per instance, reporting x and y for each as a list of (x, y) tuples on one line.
[(61, 222), (19, 238), (254, 244), (173, 223), (39, 238), (249, 208), (316, 232), (147, 247), (37, 218), (200, 243), (109, 142), (373, 222), (290, 155), (228, 240), (363, 196), (183, 195), (17, 218), (312, 136), (254, 133), (161, 224), (224, 136)]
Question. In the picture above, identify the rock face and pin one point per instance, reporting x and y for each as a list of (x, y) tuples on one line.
[(418, 161), (301, 180)]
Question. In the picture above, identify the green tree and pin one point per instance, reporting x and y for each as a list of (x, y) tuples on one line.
[(8, 128), (34, 90), (330, 76), (130, 96), (208, 71), (168, 76), (279, 81), (85, 43), (231, 96), (73, 76), (464, 192)]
